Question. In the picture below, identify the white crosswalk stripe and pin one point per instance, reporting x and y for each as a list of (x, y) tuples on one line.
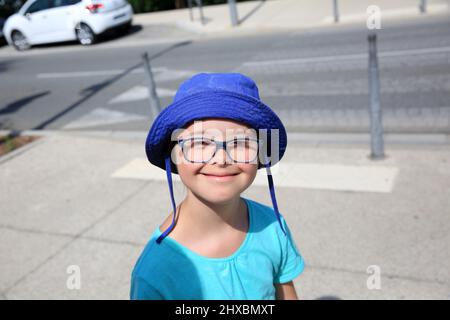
[(357, 178), (160, 73), (338, 58), (140, 93), (101, 116)]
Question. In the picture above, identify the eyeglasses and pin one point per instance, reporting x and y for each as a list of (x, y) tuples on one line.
[(202, 150)]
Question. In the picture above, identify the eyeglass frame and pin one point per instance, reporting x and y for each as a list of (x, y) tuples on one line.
[(219, 145)]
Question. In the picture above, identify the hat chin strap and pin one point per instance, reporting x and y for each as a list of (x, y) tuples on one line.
[(272, 194), (169, 180)]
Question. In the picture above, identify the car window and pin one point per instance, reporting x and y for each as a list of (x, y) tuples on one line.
[(62, 3), (38, 5)]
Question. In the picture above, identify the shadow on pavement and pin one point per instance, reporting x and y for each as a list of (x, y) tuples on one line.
[(19, 104), (120, 33), (328, 298), (248, 15), (5, 65), (16, 106)]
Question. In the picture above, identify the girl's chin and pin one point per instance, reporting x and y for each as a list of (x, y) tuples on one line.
[(218, 198)]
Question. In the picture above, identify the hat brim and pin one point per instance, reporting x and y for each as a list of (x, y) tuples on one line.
[(211, 104)]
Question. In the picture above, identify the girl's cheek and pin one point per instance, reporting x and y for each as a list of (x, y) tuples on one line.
[(250, 169), (188, 170)]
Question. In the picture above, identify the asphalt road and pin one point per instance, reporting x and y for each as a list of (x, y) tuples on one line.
[(315, 79)]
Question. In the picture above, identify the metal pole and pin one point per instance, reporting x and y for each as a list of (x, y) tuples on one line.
[(233, 12), (423, 6), (200, 6), (376, 126), (155, 106), (190, 10), (335, 11)]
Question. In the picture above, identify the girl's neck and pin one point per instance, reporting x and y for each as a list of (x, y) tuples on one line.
[(202, 216)]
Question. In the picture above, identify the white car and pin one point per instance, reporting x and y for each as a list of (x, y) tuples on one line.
[(45, 21)]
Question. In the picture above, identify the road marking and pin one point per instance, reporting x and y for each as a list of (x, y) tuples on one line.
[(398, 53), (355, 86), (84, 74), (140, 93), (160, 73), (166, 74), (101, 116), (298, 175)]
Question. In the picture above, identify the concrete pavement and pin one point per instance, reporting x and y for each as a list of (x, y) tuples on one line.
[(91, 203)]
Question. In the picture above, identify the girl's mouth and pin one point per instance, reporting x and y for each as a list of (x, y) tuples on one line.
[(220, 177)]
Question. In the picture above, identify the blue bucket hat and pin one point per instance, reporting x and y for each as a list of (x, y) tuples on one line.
[(230, 96)]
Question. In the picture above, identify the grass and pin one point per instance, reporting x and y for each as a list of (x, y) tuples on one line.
[(11, 142)]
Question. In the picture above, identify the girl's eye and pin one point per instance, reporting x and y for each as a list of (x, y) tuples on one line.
[(201, 143), (240, 143)]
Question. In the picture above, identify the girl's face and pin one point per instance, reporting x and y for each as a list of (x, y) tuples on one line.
[(220, 179)]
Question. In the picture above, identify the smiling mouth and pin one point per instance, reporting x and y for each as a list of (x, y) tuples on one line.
[(220, 177), (214, 175)]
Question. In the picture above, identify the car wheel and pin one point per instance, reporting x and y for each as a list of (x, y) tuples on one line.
[(85, 35), (19, 41)]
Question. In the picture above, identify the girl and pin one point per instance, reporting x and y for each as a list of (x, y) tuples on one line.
[(216, 134)]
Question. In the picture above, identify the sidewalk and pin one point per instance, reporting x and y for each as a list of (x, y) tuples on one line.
[(92, 202), (288, 14)]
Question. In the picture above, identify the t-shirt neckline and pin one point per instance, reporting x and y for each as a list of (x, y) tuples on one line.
[(178, 246)]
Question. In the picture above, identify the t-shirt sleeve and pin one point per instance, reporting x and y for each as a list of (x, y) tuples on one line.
[(142, 290), (292, 263)]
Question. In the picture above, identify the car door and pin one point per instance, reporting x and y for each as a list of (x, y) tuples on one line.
[(36, 23), (60, 16)]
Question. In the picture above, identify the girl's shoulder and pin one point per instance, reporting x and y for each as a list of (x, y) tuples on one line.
[(151, 256)]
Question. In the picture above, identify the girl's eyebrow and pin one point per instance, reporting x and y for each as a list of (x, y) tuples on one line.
[(212, 138), (195, 136)]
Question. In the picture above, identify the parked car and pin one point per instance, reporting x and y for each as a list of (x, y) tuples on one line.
[(46, 21)]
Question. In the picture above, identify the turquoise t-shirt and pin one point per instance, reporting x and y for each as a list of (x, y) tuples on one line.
[(174, 272)]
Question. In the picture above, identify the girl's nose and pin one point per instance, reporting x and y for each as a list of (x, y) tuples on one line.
[(220, 157)]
